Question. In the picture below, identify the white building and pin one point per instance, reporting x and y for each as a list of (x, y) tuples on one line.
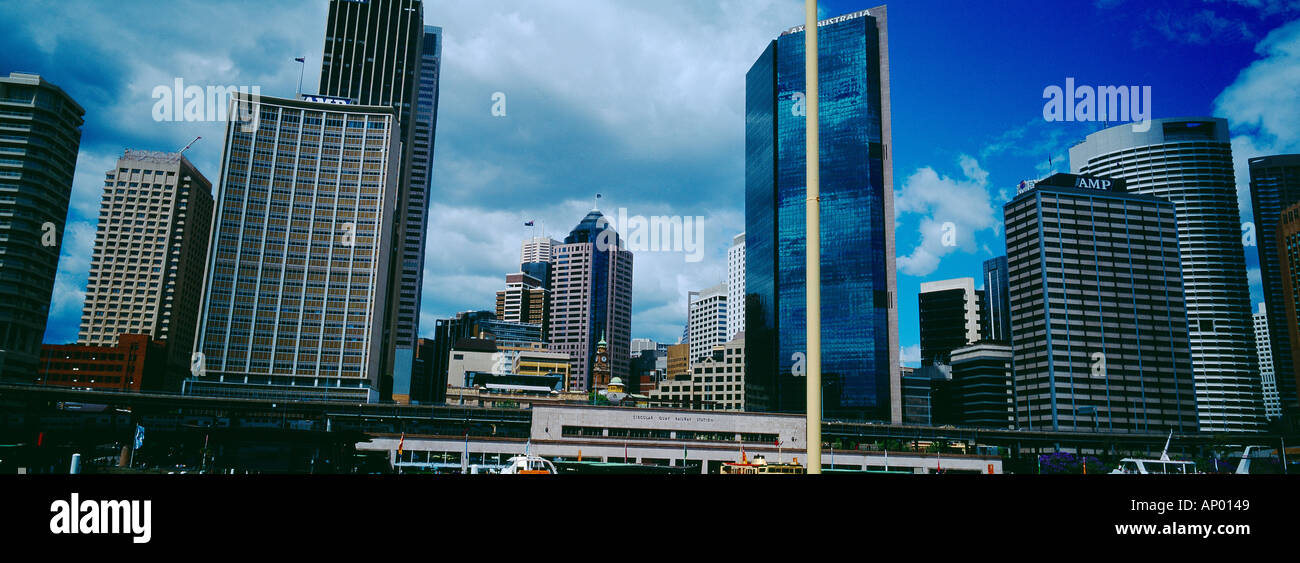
[(707, 321), (1267, 376), (736, 286), (716, 382)]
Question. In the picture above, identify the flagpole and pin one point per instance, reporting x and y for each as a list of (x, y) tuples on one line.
[(302, 66), (812, 238)]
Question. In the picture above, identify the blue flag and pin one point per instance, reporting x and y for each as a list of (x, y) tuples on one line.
[(139, 436)]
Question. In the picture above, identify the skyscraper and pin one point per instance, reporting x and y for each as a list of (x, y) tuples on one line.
[(524, 300), (1267, 375), (1274, 186), (706, 321), (859, 314), (1099, 328), (1188, 161), (995, 309), (591, 299), (949, 318), (736, 286), (1288, 254), (379, 52), (535, 258), (42, 132), (146, 272), (294, 302)]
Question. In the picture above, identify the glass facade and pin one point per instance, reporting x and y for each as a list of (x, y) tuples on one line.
[(857, 281), (1274, 186)]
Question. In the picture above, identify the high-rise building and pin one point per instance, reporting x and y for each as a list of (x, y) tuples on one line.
[(42, 132), (950, 318), (535, 259), (146, 271), (1098, 320), (995, 308), (524, 300), (707, 320), (982, 390), (1288, 256), (736, 286), (1188, 161), (859, 316), (447, 332), (1267, 375), (294, 302), (1274, 186), (591, 299), (379, 52)]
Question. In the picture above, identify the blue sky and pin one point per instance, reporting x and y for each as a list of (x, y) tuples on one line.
[(644, 103)]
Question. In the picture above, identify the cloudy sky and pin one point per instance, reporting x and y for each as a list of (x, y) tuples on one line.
[(643, 102)]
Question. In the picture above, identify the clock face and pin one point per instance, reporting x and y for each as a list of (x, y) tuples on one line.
[(601, 359)]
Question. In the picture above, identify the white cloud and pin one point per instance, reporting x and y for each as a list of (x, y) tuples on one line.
[(910, 355), (70, 282), (953, 211)]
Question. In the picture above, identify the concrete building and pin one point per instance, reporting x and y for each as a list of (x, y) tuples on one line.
[(706, 320), (380, 53), (146, 271), (859, 315), (1188, 161), (1274, 186), (983, 392), (591, 299), (950, 318), (42, 133), (135, 362), (1267, 376), (473, 355), (736, 286), (716, 382), (1288, 258), (294, 302), (525, 300), (1097, 313)]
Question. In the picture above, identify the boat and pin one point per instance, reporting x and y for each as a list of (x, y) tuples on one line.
[(1162, 466), (528, 465), (760, 466)]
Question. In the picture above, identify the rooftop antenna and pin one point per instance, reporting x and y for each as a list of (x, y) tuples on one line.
[(187, 147)]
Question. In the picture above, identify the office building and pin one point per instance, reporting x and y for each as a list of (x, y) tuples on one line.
[(706, 323), (736, 286), (679, 360), (950, 318), (1189, 162), (1267, 374), (925, 395), (134, 362), (380, 53), (591, 299), (1274, 186), (716, 382), (146, 271), (1288, 257), (995, 308), (983, 392), (42, 133), (524, 300), (294, 302), (859, 317), (1098, 320)]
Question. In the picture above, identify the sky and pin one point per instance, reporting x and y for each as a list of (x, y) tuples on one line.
[(643, 102)]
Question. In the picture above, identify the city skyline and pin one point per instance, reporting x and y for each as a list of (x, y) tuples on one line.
[(471, 178)]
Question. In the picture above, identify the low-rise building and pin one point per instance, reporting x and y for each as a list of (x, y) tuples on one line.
[(136, 363)]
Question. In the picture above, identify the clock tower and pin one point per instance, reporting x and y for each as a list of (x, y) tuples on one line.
[(600, 365)]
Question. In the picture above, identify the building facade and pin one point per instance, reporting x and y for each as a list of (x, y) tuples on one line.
[(716, 382), (1189, 162), (995, 308), (983, 392), (1267, 374), (1097, 309), (1288, 258), (859, 314), (134, 362), (736, 286), (42, 133), (146, 271), (706, 323), (380, 53), (293, 301), (524, 300), (591, 299), (1274, 186), (950, 318)]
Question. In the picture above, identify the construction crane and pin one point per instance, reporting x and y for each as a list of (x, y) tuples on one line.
[(187, 147)]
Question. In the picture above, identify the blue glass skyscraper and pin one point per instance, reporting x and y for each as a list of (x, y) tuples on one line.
[(859, 315)]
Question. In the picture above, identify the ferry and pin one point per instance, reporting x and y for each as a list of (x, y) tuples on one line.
[(1162, 466), (528, 465), (761, 466)]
